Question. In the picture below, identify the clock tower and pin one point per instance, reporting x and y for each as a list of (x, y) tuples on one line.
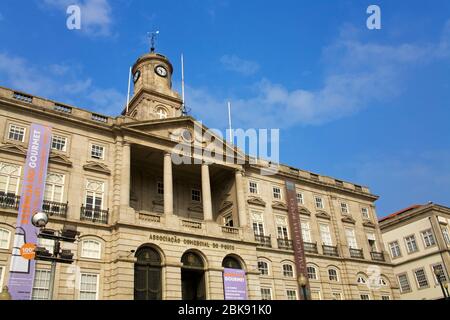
[(153, 97)]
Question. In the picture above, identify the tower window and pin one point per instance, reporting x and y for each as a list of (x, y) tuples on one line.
[(161, 113)]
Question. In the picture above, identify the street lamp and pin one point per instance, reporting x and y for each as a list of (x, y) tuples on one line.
[(438, 277), (303, 281), (5, 295), (446, 289)]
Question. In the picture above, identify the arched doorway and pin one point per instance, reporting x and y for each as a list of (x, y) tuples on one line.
[(192, 277), (147, 275)]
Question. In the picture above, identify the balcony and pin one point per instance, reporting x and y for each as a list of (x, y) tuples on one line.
[(94, 215), (377, 256), (310, 247), (230, 230), (356, 253), (330, 250), (55, 208), (263, 241), (9, 201), (192, 224), (285, 244)]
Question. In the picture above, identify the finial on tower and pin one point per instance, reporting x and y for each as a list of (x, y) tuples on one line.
[(152, 36)]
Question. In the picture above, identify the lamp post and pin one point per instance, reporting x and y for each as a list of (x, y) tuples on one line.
[(438, 277), (446, 289), (303, 281), (5, 295)]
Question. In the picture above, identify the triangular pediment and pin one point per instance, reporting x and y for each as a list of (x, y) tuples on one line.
[(60, 159), (348, 219), (226, 205), (183, 130), (323, 215), (256, 201), (304, 211), (279, 206), (369, 224), (13, 149), (96, 166)]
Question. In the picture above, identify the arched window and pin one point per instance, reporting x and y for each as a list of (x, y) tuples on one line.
[(5, 235), (192, 260), (147, 275), (288, 270), (161, 113), (382, 282), (91, 249), (361, 279), (231, 263), (312, 273), (263, 267), (192, 277), (333, 275)]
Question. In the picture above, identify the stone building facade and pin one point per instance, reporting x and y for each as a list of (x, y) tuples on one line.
[(150, 229), (418, 240)]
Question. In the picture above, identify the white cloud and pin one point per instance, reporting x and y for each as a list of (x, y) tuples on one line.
[(64, 83), (96, 15), (357, 75), (236, 64)]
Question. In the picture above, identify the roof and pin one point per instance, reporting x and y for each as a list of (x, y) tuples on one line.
[(392, 215)]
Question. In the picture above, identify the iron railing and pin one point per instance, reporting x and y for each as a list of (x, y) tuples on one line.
[(264, 241), (330, 250), (356, 253), (377, 256), (9, 201), (94, 215), (310, 247), (285, 244), (55, 208)]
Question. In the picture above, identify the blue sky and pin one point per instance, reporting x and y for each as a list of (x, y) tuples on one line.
[(367, 106)]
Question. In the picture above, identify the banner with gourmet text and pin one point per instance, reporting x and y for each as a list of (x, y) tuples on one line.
[(296, 234), (234, 284), (21, 274)]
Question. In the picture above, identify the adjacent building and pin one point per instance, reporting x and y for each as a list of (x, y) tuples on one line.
[(418, 239), (151, 229)]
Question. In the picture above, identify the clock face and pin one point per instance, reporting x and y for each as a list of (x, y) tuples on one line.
[(136, 76), (161, 71)]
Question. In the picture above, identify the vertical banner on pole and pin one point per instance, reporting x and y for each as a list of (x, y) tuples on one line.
[(296, 234), (22, 267)]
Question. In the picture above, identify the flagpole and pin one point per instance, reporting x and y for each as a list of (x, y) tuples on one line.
[(182, 81), (129, 86), (229, 121)]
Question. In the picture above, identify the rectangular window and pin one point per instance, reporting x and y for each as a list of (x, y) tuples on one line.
[(91, 249), (428, 238), (88, 286), (5, 235), (438, 271), (54, 187), (266, 294), (411, 244), (228, 220), (421, 278), (372, 242), (258, 224), (9, 179), (276, 193), (16, 133), (325, 234), (365, 213), (196, 195), (365, 296), (94, 196), (446, 235), (306, 231), (41, 285), (160, 188), (385, 297), (344, 208), (253, 187), (291, 294), (404, 283), (59, 143), (97, 152), (351, 238), (319, 202), (282, 231), (300, 198), (395, 249)]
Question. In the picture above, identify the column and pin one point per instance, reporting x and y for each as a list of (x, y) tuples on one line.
[(206, 193), (125, 175), (168, 184), (240, 198)]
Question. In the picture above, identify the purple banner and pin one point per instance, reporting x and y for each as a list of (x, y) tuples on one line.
[(22, 268), (234, 284)]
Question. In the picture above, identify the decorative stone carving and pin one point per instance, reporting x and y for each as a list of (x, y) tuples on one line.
[(256, 201), (96, 166), (348, 219), (323, 215), (279, 205)]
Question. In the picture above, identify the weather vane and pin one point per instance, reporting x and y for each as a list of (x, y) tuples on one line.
[(152, 36)]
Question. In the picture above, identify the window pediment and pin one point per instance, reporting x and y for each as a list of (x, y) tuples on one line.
[(304, 211), (369, 224), (96, 166), (348, 220), (256, 201), (226, 205), (13, 149), (279, 205), (323, 215), (60, 159)]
